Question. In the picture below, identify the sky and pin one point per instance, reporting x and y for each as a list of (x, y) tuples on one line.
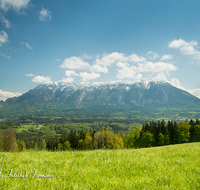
[(98, 41)]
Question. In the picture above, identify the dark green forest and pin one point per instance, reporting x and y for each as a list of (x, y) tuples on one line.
[(59, 134)]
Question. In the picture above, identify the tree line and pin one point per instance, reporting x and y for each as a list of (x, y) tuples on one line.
[(151, 134), (161, 133)]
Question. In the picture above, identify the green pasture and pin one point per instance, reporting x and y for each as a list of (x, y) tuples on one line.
[(168, 167)]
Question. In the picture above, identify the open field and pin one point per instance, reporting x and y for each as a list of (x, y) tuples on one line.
[(169, 167)]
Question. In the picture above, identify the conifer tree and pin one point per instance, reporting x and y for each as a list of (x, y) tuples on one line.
[(197, 133)]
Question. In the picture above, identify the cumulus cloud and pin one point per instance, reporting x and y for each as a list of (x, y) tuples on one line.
[(5, 95), (175, 82), (67, 80), (160, 77), (152, 55), (5, 21), (108, 60), (179, 43), (128, 66), (89, 76), (75, 63), (27, 45), (155, 67), (69, 73), (135, 58), (3, 37), (44, 15), (126, 72), (166, 57), (14, 4), (122, 64), (41, 79), (138, 76), (186, 48), (98, 69), (116, 57), (195, 92)]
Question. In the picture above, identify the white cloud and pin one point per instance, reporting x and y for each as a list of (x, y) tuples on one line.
[(67, 80), (129, 66), (160, 77), (98, 69), (15, 4), (126, 72), (175, 82), (108, 60), (5, 21), (44, 15), (195, 92), (89, 76), (41, 79), (178, 43), (186, 48), (122, 64), (167, 73), (135, 58), (139, 76), (152, 55), (166, 57), (75, 63), (5, 55), (57, 60), (27, 45), (5, 95), (155, 67), (86, 56), (30, 75), (3, 37), (69, 73)]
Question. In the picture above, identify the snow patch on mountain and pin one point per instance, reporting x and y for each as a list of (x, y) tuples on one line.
[(90, 86)]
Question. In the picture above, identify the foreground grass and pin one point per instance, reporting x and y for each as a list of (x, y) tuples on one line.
[(169, 167)]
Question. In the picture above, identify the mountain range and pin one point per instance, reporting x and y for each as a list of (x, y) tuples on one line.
[(120, 96)]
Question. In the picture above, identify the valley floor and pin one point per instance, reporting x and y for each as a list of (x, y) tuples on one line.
[(168, 167)]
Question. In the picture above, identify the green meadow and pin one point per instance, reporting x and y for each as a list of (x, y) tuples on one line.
[(168, 167)]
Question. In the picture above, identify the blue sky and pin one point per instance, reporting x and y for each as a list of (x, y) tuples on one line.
[(98, 41)]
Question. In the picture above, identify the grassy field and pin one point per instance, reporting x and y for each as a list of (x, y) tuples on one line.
[(169, 167)]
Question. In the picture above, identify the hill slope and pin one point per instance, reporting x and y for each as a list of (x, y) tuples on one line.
[(174, 167)]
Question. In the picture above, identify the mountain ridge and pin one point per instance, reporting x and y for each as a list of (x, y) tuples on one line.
[(113, 95)]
